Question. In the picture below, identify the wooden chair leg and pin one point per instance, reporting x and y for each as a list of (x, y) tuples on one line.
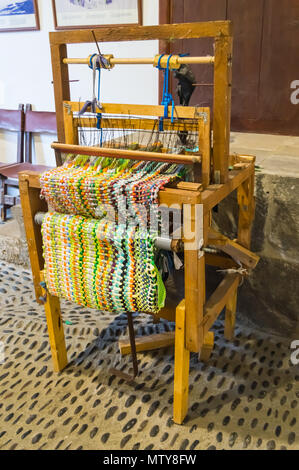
[(181, 367), (2, 213), (56, 333), (230, 316), (207, 347), (3, 190)]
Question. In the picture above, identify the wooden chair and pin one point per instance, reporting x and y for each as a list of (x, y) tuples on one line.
[(33, 122), (37, 122)]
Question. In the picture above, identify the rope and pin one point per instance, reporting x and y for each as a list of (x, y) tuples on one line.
[(242, 271), (96, 63)]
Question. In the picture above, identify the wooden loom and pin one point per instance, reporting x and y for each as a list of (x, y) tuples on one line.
[(217, 174)]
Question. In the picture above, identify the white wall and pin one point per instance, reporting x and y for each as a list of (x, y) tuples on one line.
[(26, 75)]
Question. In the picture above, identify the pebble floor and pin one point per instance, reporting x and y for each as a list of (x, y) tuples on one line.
[(245, 397)]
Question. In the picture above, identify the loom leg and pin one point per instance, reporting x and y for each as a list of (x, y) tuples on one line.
[(230, 316), (31, 204), (207, 347), (56, 333), (195, 299), (181, 367)]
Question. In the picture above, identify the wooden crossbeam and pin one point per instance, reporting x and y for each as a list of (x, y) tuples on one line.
[(181, 112), (218, 300), (147, 343), (215, 193), (124, 153), (123, 123), (209, 29)]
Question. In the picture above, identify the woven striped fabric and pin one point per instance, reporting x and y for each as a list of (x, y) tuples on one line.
[(101, 265), (91, 259)]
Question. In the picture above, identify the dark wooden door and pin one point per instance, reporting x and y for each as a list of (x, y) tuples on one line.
[(265, 59)]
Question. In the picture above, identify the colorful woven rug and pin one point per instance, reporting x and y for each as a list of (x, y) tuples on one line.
[(91, 258)]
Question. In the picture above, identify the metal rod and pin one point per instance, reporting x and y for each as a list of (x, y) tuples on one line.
[(143, 60), (129, 154)]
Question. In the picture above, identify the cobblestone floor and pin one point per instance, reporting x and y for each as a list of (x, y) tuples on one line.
[(246, 397)]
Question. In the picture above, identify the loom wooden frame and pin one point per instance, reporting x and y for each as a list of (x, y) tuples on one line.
[(194, 315)]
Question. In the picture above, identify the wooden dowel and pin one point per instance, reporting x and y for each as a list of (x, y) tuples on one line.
[(196, 60), (123, 153), (76, 61), (144, 60), (134, 60)]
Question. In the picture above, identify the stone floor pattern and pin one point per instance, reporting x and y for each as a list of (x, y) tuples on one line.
[(245, 397)]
